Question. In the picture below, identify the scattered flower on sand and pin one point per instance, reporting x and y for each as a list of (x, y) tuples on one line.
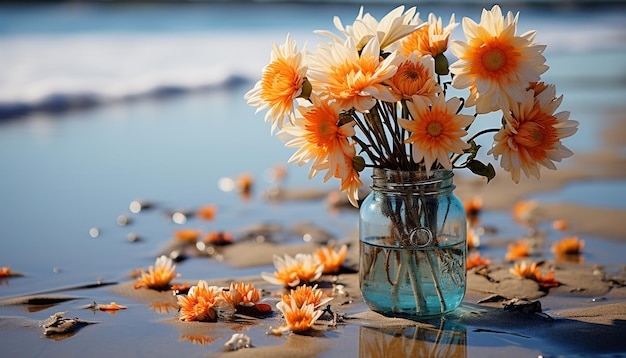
[(331, 259), (187, 235), (207, 212), (218, 238), (158, 276), (304, 295), (293, 271), (6, 272), (525, 212), (111, 307), (200, 303), (243, 295), (531, 271), (475, 260), (517, 250), (473, 207), (560, 225), (298, 318), (245, 183), (568, 246)]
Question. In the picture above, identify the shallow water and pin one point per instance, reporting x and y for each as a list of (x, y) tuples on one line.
[(64, 173)]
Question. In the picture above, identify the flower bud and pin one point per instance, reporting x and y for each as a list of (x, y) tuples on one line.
[(441, 64), (358, 163), (306, 89)]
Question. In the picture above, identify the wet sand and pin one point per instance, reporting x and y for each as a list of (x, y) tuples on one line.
[(584, 316)]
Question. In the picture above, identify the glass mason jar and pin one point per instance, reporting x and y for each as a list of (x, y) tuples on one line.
[(412, 236)]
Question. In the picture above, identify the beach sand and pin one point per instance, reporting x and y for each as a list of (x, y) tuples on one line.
[(584, 316)]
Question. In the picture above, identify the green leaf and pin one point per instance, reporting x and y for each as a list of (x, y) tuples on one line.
[(479, 168)]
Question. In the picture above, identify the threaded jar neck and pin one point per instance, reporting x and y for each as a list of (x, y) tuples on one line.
[(389, 181)]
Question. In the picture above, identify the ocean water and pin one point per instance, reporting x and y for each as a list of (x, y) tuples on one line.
[(103, 104)]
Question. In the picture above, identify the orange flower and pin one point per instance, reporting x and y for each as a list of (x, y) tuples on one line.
[(281, 83), (218, 238), (207, 212), (436, 130), (494, 63), (568, 246), (524, 212), (304, 295), (200, 303), (158, 276), (6, 272), (111, 307), (331, 259), (531, 271), (415, 77), (531, 134), (560, 225), (187, 235), (517, 250), (430, 39), (244, 295), (299, 319), (292, 271), (245, 182), (476, 260)]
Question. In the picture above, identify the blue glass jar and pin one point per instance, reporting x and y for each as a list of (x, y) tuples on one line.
[(412, 236)]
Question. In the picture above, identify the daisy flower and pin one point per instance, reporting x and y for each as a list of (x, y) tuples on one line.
[(304, 295), (517, 250), (281, 83), (415, 77), (331, 258), (431, 39), (495, 63), (568, 246), (299, 318), (158, 276), (351, 78), (319, 136), (200, 303), (531, 271), (532, 133), (435, 131), (292, 271), (244, 295), (392, 27)]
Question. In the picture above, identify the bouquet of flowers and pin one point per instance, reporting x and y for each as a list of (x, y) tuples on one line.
[(378, 95)]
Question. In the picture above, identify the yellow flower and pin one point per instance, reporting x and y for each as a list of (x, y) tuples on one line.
[(280, 84), (300, 318), (158, 276), (430, 39), (353, 80), (292, 271), (415, 77), (319, 136), (200, 303), (495, 64), (331, 258), (392, 27), (435, 131), (532, 133)]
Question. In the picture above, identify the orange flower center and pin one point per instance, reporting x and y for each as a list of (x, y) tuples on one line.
[(434, 129), (495, 59), (537, 136), (279, 81)]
